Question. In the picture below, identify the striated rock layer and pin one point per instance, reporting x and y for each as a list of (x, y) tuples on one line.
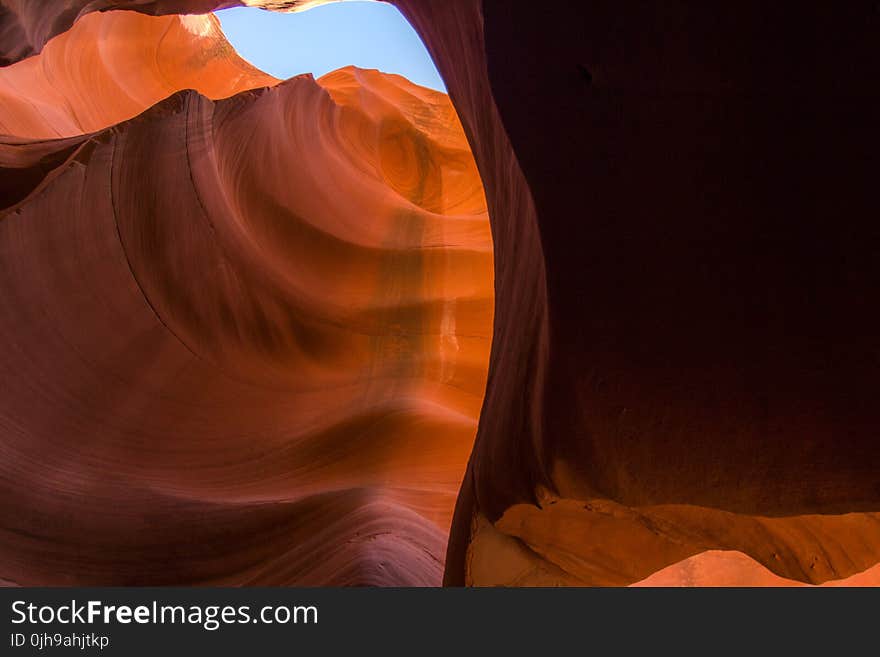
[(684, 358), (246, 340)]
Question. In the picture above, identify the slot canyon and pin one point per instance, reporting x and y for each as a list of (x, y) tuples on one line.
[(603, 316)]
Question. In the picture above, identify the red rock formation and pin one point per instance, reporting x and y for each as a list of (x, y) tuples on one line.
[(715, 568), (248, 339), (684, 354), (111, 67), (702, 187), (27, 25)]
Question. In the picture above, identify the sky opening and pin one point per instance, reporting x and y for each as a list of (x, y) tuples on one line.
[(328, 37)]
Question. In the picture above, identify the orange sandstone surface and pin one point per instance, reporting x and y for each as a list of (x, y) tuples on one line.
[(683, 369), (246, 340), (111, 67)]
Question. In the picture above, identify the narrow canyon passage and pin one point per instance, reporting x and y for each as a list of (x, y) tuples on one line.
[(683, 356)]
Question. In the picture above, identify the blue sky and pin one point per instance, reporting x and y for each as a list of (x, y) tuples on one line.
[(328, 37)]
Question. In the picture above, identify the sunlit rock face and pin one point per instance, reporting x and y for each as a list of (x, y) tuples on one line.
[(247, 339), (732, 568), (682, 379), (111, 67), (27, 25)]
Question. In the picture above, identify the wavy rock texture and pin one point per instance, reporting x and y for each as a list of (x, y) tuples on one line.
[(27, 25), (248, 339), (111, 67), (684, 360)]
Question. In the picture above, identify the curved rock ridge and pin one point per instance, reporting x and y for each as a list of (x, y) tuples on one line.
[(27, 25), (249, 339), (684, 358), (706, 547), (112, 66), (731, 568)]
